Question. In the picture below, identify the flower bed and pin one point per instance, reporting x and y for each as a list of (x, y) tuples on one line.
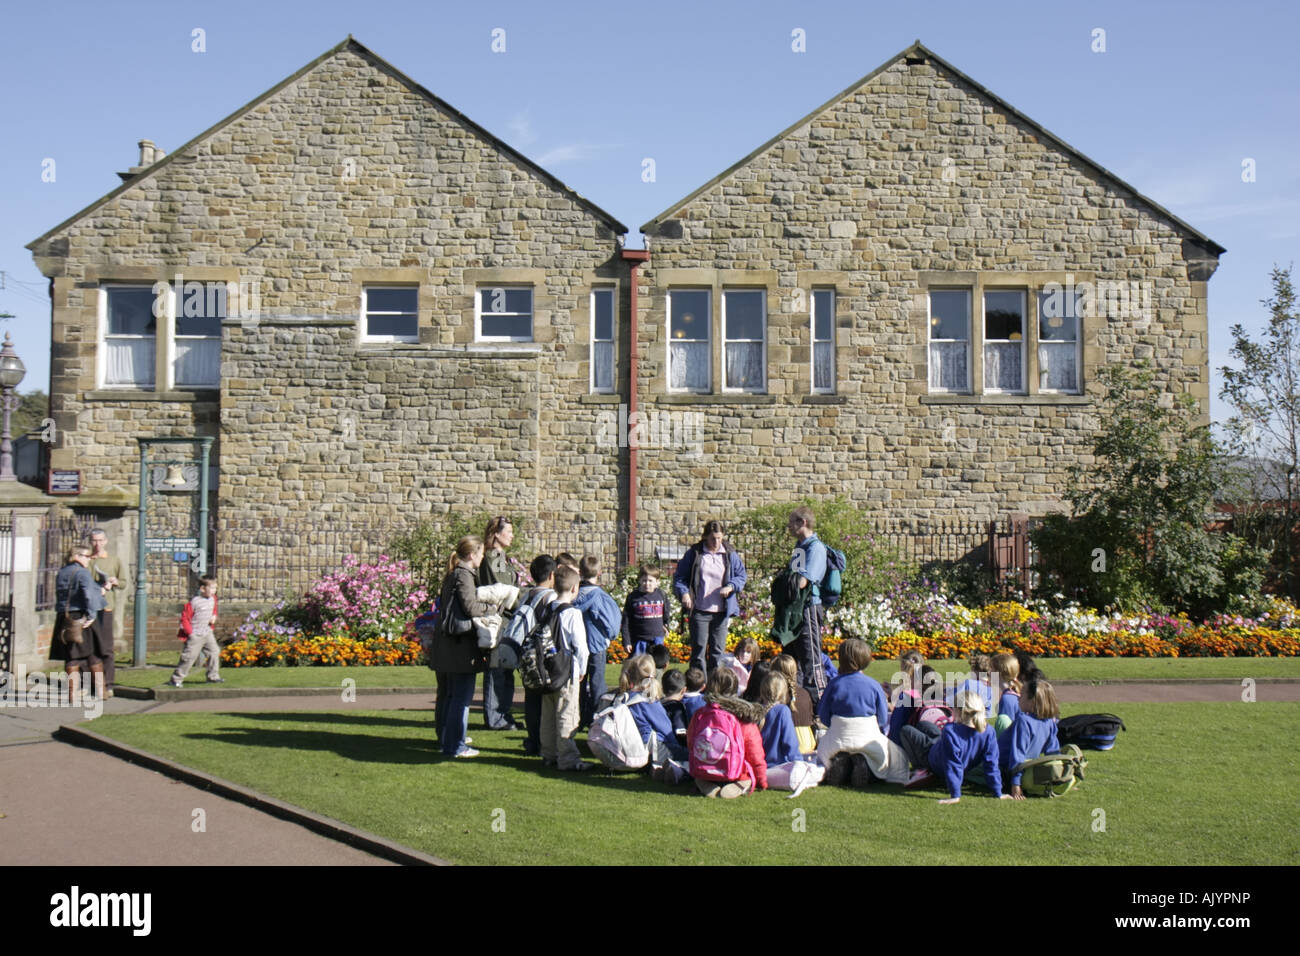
[(299, 651)]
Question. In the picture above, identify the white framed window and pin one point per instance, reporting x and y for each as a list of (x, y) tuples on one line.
[(1004, 340), (390, 313), (196, 343), (1059, 317), (689, 324), (129, 317), (602, 340), (504, 313), (823, 341), (950, 333), (744, 337)]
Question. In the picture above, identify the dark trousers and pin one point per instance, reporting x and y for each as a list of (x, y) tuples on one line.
[(806, 650), (533, 722), (105, 628), (498, 698), (916, 742), (708, 638), (451, 715), (593, 689)]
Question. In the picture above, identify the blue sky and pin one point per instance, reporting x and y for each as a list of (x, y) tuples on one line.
[(1184, 92)]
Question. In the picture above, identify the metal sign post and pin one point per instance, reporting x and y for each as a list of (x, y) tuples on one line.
[(197, 547)]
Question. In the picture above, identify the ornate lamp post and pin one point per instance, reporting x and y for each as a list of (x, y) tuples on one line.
[(12, 371)]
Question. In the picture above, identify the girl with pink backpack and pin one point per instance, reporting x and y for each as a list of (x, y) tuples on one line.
[(724, 743)]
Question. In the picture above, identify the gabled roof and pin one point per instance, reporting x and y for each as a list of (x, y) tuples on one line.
[(919, 48), (347, 44)]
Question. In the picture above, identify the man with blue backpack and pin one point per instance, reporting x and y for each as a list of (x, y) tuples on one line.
[(604, 620), (808, 563)]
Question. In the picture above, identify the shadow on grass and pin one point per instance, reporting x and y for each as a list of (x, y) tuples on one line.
[(327, 717)]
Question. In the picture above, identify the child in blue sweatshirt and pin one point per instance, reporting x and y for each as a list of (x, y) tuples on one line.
[(856, 713), (1008, 671), (958, 747), (601, 617), (638, 677), (1031, 735), (780, 742)]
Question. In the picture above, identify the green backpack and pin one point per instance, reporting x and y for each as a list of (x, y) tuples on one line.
[(1052, 775)]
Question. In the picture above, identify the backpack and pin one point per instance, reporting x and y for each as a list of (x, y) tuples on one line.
[(1090, 731), (717, 745), (832, 585), (614, 738), (545, 665), (936, 712), (1052, 775), (516, 630)]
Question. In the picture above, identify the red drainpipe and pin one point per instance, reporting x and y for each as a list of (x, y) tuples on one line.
[(633, 257)]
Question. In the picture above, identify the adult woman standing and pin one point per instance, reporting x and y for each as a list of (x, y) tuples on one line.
[(77, 598), (498, 682), (708, 578), (456, 656)]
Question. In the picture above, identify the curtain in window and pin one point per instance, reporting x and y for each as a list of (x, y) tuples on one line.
[(129, 361), (198, 363), (823, 365), (602, 365), (1002, 366), (689, 363), (948, 366), (745, 365), (1058, 367)]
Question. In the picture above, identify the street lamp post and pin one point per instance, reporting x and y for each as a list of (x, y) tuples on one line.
[(12, 371)]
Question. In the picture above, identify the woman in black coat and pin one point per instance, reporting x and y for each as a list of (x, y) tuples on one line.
[(77, 597), (456, 657)]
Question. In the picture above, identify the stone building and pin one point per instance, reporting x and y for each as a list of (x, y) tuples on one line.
[(380, 311), (905, 297)]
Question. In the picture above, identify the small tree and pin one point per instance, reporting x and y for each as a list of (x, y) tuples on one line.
[(1137, 533), (1264, 431)]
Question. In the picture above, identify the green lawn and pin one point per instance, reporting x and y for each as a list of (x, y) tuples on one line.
[(1191, 784), (1076, 668)]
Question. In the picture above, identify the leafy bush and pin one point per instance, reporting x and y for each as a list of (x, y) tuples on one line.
[(427, 546), (1137, 536), (364, 600)]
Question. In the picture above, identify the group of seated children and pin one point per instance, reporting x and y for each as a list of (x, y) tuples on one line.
[(752, 722)]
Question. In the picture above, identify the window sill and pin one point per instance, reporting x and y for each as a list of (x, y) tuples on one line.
[(1005, 400), (138, 395), (713, 398), (827, 399), (601, 398)]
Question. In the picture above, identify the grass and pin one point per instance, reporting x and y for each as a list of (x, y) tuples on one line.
[(419, 677), (1188, 784)]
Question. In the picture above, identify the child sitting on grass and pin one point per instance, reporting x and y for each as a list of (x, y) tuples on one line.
[(1008, 671), (724, 738), (1031, 735), (949, 753), (855, 713), (693, 698), (674, 688), (638, 677)]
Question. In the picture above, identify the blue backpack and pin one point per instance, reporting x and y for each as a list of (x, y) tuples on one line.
[(832, 586)]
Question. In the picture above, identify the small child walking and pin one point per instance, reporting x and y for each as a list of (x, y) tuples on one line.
[(196, 630)]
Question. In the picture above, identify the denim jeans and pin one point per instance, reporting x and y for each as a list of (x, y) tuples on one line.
[(593, 689), (708, 630), (451, 715), (498, 698), (917, 741)]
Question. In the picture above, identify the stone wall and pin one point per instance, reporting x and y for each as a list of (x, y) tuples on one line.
[(915, 179)]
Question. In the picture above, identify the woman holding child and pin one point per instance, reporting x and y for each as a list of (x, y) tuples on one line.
[(498, 682)]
